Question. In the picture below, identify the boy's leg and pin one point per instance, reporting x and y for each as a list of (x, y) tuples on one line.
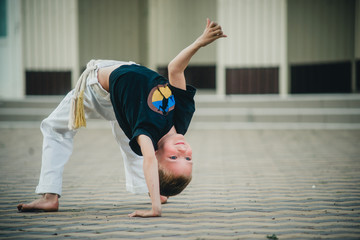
[(58, 139), (58, 143), (57, 148), (133, 164)]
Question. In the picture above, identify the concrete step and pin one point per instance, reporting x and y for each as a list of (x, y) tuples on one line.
[(230, 112), (285, 115), (24, 114), (326, 115), (32, 102), (274, 101), (233, 101)]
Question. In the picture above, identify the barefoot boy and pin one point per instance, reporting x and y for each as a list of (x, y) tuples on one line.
[(153, 113)]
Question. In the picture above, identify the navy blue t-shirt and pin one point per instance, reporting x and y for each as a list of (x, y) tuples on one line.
[(145, 103)]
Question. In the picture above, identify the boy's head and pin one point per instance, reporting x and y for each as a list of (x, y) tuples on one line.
[(174, 155)]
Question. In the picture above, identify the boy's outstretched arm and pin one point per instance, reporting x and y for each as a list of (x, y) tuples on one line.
[(150, 167), (177, 66)]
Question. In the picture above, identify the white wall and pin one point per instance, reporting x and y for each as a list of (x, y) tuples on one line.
[(111, 29), (256, 37), (11, 66), (51, 35), (320, 31), (65, 34), (175, 24), (254, 29)]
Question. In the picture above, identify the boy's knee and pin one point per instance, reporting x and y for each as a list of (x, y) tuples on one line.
[(50, 128)]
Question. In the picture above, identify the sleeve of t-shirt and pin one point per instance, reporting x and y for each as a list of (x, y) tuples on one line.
[(133, 141), (184, 107)]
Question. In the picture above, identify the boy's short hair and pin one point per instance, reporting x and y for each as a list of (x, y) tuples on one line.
[(171, 185)]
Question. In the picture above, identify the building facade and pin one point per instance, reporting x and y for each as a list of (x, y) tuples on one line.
[(273, 46)]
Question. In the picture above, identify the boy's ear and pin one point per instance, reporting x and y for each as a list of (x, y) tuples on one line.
[(158, 157), (158, 153)]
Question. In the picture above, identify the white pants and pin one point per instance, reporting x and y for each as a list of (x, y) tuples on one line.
[(58, 139)]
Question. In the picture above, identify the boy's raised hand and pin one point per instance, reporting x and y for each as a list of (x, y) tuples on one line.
[(177, 66), (212, 32)]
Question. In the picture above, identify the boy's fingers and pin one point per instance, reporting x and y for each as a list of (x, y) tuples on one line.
[(218, 33), (207, 22), (215, 28), (213, 24), (135, 214), (132, 214), (215, 37), (141, 214), (220, 36)]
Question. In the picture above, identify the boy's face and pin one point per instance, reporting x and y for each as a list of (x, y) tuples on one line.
[(175, 155)]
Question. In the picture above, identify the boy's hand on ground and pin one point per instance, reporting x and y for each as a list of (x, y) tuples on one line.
[(144, 213)]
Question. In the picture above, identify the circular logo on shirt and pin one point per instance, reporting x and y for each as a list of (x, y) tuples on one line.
[(161, 100)]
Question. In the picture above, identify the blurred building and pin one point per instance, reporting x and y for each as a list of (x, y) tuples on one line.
[(273, 46)]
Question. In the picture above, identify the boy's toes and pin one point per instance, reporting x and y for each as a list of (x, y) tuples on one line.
[(26, 208), (19, 207), (23, 207)]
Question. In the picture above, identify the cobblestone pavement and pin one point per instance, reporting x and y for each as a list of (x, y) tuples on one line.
[(248, 184)]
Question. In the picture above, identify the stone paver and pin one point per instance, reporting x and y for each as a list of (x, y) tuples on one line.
[(248, 184)]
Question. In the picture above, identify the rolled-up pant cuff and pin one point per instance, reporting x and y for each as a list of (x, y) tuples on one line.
[(42, 189)]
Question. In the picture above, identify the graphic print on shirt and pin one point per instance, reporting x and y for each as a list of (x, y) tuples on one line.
[(161, 100)]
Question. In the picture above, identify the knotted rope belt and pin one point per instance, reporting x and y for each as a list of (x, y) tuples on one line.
[(77, 112)]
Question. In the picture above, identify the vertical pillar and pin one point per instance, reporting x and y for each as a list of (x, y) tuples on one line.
[(143, 31), (284, 75), (353, 75), (75, 71), (356, 45), (16, 63), (220, 54), (151, 34), (220, 71), (11, 60)]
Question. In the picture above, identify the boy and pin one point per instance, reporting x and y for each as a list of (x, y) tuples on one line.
[(153, 113)]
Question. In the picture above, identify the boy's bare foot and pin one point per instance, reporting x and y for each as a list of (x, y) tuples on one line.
[(48, 202)]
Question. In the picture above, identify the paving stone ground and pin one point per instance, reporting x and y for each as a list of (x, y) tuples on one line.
[(248, 184)]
